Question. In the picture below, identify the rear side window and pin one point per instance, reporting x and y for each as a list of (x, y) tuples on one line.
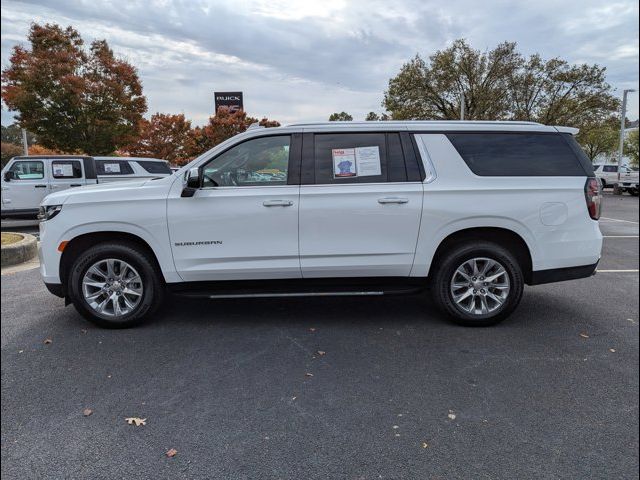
[(66, 169), (154, 167), (610, 168), (518, 154), (359, 158), (113, 167)]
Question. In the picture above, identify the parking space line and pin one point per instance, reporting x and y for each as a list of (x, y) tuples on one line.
[(617, 271), (620, 236), (618, 220)]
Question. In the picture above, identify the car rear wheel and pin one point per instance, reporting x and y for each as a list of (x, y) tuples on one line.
[(115, 285), (478, 284)]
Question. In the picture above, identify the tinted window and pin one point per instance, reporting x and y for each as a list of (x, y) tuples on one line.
[(66, 169), (610, 168), (27, 170), (354, 158), (113, 167), (257, 162), (154, 167), (517, 154)]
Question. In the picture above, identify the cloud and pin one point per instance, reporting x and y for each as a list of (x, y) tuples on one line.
[(300, 61)]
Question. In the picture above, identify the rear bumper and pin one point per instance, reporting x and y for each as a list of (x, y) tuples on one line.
[(540, 277)]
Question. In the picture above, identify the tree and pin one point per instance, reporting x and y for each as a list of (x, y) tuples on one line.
[(340, 117), (13, 134), (631, 147), (9, 150), (164, 136), (599, 138), (223, 125), (374, 117), (71, 99), (500, 84)]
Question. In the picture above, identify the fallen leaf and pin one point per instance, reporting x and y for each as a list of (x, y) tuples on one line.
[(584, 335), (136, 421), (308, 374), (87, 411), (293, 398), (321, 352), (612, 350), (20, 351), (451, 415), (312, 329), (397, 435), (47, 341), (171, 452), (425, 445), (83, 330), (395, 427)]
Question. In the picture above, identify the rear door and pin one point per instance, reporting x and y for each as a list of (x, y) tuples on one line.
[(27, 187), (66, 173), (360, 205)]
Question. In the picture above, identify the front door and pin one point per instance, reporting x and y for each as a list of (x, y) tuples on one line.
[(360, 210), (243, 222), (26, 187)]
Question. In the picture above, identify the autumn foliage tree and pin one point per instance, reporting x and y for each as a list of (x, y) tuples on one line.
[(165, 136), (70, 98), (223, 125)]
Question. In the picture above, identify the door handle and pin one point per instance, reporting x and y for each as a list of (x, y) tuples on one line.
[(392, 200), (277, 203), (39, 186)]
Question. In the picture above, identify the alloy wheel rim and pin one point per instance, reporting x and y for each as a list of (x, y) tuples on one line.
[(112, 287), (480, 286)]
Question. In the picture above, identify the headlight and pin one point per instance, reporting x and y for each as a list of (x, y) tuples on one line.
[(47, 212)]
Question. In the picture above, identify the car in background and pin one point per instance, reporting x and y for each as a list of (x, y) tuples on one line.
[(628, 180), (115, 169), (26, 180), (607, 174)]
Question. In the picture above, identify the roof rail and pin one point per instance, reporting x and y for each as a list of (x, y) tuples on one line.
[(415, 122)]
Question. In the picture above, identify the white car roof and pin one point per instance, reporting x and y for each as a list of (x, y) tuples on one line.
[(142, 159)]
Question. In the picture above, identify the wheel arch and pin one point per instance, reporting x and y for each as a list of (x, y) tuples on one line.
[(504, 237), (81, 242)]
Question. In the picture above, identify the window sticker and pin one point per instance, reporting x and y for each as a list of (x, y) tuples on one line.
[(368, 161), (344, 162), (111, 168), (62, 170), (356, 162)]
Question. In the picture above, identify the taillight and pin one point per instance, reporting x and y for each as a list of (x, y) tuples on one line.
[(593, 197)]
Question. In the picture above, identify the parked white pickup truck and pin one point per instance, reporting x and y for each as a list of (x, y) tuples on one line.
[(26, 180), (628, 180)]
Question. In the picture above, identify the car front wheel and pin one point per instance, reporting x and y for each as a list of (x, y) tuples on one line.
[(115, 285), (478, 284)]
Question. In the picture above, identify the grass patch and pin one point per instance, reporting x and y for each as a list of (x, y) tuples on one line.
[(9, 238)]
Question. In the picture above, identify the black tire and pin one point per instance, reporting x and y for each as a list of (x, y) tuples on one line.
[(152, 283), (446, 267)]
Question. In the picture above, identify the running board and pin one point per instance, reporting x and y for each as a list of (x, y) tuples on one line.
[(280, 295)]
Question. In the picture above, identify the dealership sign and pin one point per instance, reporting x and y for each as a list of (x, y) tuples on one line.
[(231, 100)]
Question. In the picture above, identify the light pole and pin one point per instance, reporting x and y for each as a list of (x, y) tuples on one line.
[(461, 105), (623, 116)]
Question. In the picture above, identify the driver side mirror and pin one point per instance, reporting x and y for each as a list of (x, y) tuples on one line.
[(9, 175), (192, 182)]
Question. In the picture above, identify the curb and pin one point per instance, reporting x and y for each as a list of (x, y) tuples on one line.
[(21, 251)]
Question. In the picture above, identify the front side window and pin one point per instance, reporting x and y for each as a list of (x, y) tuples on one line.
[(28, 170), (66, 169), (257, 162)]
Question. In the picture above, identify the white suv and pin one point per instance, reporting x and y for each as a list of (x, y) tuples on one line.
[(473, 210)]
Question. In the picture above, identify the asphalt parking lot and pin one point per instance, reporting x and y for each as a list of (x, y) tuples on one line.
[(331, 388)]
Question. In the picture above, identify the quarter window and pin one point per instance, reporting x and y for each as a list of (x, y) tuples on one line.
[(154, 167), (257, 162), (66, 169), (27, 170), (518, 154)]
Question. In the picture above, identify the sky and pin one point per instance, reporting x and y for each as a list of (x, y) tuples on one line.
[(301, 60)]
